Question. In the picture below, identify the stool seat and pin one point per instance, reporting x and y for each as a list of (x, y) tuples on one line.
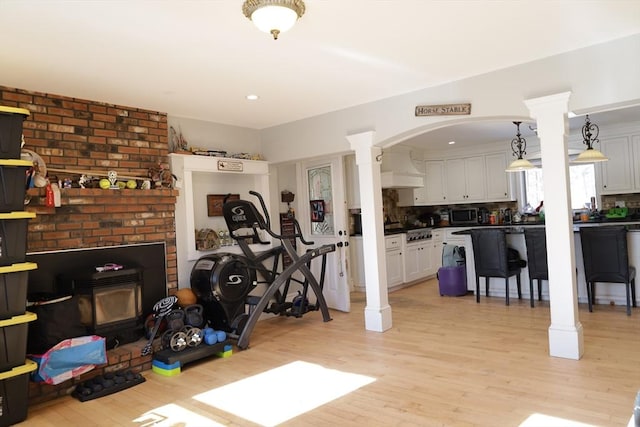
[(606, 259), (491, 259)]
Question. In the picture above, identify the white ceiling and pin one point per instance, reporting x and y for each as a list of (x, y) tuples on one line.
[(199, 59)]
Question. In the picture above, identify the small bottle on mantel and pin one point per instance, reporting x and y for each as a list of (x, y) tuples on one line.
[(49, 200)]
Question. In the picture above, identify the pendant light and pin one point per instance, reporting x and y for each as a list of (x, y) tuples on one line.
[(273, 16), (519, 148), (590, 132)]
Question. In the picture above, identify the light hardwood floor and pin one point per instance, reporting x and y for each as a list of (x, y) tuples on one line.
[(446, 362)]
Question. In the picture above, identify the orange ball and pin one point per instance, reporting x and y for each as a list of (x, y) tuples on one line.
[(186, 297)]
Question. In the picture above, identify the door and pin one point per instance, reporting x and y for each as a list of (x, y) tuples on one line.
[(324, 219)]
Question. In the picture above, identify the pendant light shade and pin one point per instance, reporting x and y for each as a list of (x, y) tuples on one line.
[(590, 132), (519, 148), (273, 16)]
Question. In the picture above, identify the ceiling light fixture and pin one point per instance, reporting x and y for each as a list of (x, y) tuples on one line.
[(252, 97), (590, 132), (273, 16), (519, 148)]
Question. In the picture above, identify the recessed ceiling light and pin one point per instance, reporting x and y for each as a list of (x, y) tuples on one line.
[(451, 142), (252, 97)]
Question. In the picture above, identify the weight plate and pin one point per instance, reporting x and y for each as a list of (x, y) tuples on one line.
[(194, 337), (178, 341)]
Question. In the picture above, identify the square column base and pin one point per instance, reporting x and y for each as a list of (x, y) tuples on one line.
[(566, 342), (377, 319)]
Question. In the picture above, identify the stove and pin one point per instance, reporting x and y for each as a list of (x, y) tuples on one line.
[(417, 235)]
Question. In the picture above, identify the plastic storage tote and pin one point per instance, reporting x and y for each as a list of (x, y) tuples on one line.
[(11, 119), (13, 288), (13, 340), (13, 184), (13, 236), (14, 393)]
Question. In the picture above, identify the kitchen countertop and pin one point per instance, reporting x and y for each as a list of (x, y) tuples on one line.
[(632, 225)]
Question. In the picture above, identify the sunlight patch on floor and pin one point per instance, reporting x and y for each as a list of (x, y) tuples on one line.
[(282, 393), (541, 420), (172, 415)]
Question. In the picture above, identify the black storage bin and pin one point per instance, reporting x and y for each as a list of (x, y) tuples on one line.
[(13, 340), (13, 184), (14, 393), (13, 237), (11, 119), (13, 288)]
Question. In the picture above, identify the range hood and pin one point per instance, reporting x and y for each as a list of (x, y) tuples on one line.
[(398, 171)]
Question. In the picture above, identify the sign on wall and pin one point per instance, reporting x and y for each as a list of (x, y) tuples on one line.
[(443, 110)]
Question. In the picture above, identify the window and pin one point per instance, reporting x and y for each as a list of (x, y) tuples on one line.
[(583, 186)]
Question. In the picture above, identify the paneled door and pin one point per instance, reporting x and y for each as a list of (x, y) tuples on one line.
[(324, 220)]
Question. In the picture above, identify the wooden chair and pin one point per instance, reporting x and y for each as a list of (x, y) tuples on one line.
[(491, 259), (606, 259)]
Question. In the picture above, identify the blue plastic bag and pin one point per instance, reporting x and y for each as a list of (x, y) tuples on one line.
[(70, 358)]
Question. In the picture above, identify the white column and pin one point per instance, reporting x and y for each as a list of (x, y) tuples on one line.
[(565, 331), (377, 313)]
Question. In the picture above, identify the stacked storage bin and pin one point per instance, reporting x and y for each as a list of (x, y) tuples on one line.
[(14, 271)]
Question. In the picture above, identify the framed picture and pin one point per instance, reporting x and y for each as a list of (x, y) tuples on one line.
[(317, 210), (215, 202)]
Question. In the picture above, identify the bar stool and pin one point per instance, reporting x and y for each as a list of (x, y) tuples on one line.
[(536, 242), (606, 259), (491, 259)]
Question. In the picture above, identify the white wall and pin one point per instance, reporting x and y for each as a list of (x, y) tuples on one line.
[(597, 76), (215, 136)]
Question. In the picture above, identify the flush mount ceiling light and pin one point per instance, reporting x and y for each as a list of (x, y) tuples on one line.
[(590, 132), (519, 148), (273, 16)]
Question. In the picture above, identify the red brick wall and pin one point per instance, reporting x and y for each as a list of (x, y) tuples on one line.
[(77, 134)]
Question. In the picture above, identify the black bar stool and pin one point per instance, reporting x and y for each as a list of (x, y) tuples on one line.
[(536, 242), (606, 259), (491, 259)]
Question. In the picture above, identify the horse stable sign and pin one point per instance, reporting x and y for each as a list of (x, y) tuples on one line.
[(443, 110)]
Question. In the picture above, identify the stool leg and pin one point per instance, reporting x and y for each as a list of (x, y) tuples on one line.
[(633, 292), (519, 286), (589, 296), (627, 287), (539, 289), (477, 288), (506, 301), (531, 295), (486, 286)]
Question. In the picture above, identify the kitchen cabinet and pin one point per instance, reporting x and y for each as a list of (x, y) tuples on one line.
[(498, 184), (418, 261), (352, 182), (433, 191), (465, 179), (616, 175), (394, 259), (356, 258), (635, 149), (437, 239)]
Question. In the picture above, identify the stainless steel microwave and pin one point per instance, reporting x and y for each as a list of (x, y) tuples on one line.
[(463, 216)]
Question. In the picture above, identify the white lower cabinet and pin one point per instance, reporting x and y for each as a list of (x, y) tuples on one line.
[(394, 257), (418, 261)]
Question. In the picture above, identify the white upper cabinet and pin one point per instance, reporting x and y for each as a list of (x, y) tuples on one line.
[(498, 187), (635, 148), (465, 179), (413, 196), (617, 175)]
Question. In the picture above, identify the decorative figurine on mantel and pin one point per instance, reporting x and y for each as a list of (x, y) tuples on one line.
[(112, 176)]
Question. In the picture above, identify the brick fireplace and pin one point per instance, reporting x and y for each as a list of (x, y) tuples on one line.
[(82, 135)]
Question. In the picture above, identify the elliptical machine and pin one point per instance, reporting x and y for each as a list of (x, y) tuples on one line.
[(224, 281)]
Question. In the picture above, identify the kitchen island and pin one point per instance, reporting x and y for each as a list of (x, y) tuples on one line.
[(605, 293)]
